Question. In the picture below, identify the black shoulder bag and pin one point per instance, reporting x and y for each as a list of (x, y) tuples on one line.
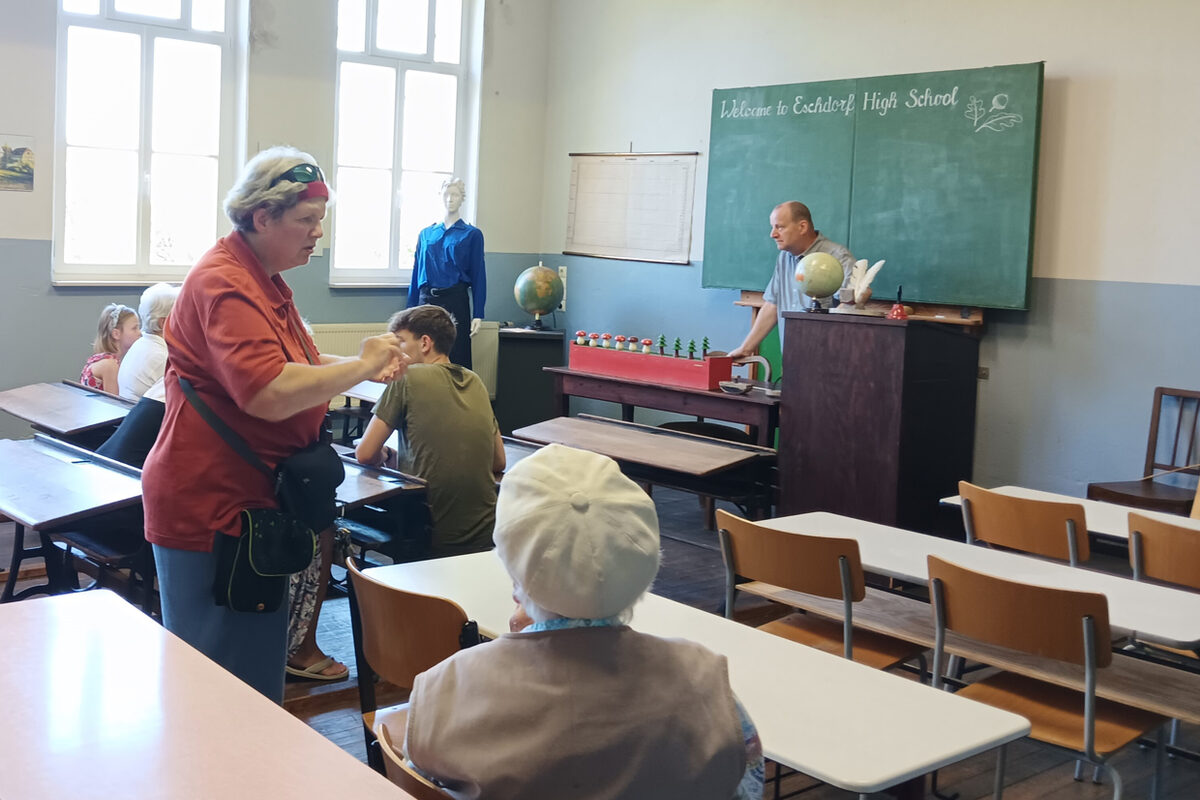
[(253, 569)]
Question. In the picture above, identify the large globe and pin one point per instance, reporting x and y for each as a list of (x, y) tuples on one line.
[(819, 274), (538, 290)]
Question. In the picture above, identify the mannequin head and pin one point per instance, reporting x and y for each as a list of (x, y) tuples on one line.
[(453, 192)]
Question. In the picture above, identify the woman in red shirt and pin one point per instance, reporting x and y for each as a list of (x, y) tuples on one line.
[(235, 334)]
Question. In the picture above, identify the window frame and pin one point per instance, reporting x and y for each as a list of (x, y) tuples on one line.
[(148, 29), (466, 139)]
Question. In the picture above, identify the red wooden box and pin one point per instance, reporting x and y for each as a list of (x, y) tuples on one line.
[(692, 373)]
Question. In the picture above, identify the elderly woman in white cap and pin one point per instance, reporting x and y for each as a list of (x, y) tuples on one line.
[(577, 704)]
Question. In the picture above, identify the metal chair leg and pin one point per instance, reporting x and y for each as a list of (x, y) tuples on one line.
[(998, 788), (1156, 781)]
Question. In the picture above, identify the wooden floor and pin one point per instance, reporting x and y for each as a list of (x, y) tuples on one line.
[(691, 573)]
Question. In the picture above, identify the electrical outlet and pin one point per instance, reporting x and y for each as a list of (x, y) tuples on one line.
[(984, 373), (562, 276)]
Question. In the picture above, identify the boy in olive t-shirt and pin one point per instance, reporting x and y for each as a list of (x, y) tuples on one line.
[(448, 433)]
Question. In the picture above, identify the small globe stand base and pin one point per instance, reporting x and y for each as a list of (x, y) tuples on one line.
[(816, 307), (537, 324)]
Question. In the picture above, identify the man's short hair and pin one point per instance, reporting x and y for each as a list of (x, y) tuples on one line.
[(799, 211), (432, 321)]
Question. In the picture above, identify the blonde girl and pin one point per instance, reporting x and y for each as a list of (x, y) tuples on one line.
[(117, 329)]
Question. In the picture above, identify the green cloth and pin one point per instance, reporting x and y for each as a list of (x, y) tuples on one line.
[(447, 436)]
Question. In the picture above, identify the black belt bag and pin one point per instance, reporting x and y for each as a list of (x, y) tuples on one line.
[(253, 569)]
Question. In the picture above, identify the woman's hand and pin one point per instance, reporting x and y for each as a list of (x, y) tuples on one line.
[(383, 355)]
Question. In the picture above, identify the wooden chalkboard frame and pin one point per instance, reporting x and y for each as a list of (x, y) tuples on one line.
[(934, 172)]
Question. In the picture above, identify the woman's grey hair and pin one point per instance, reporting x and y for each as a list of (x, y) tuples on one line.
[(253, 189), (539, 614), (155, 305)]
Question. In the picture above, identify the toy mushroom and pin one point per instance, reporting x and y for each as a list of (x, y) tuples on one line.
[(606, 340), (646, 344), (620, 342), (633, 344), (594, 340), (580, 337)]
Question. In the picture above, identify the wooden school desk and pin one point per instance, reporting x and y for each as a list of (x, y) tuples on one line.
[(1153, 687), (1110, 520), (741, 473), (814, 712), (64, 409), (755, 409), (1157, 614), (47, 484), (365, 485), (100, 701)]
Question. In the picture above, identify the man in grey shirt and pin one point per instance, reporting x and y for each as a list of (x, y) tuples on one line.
[(794, 235)]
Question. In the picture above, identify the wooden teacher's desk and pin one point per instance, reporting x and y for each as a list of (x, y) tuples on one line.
[(813, 711), (1155, 613), (101, 701), (64, 409), (755, 409), (1110, 520)]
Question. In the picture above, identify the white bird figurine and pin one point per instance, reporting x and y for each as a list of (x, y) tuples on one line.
[(860, 280)]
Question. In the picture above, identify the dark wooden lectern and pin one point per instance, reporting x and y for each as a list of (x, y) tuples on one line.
[(877, 417)]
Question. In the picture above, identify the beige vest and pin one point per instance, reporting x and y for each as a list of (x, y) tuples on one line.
[(584, 713)]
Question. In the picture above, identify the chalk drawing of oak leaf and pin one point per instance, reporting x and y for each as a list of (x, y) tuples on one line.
[(1001, 122), (974, 110)]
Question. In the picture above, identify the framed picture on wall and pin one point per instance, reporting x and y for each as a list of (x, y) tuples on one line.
[(16, 163)]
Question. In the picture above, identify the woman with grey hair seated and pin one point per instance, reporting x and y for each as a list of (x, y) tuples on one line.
[(236, 337), (146, 360), (575, 703)]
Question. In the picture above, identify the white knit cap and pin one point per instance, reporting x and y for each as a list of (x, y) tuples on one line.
[(580, 538)]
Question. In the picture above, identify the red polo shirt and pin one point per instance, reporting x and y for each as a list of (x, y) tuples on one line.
[(230, 332)]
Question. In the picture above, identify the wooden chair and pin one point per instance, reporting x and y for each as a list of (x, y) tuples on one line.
[(1171, 448), (1054, 530), (1051, 623), (813, 565), (400, 773), (397, 636)]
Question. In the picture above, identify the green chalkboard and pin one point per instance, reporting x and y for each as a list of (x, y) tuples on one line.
[(934, 172)]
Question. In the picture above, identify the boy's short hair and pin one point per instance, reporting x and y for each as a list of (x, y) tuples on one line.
[(432, 321)]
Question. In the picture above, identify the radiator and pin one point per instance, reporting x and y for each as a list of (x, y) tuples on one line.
[(344, 338)]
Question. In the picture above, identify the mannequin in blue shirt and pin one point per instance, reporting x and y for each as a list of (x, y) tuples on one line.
[(448, 271)]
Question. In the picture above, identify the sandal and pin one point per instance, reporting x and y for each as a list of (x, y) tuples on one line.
[(316, 671)]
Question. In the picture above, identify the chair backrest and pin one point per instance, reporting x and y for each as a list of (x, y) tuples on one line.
[(402, 634), (802, 563), (404, 776), (1040, 620), (1054, 530), (1173, 441), (1162, 551)]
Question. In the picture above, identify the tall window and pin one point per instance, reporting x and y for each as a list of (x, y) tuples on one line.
[(402, 130), (143, 138)]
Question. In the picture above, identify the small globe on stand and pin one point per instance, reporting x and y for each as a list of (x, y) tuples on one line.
[(538, 290), (820, 275)]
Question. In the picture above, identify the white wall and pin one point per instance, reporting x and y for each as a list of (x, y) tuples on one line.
[(1117, 186), (27, 64)]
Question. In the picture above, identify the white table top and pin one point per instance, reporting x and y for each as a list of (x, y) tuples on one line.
[(1155, 613), (815, 712), (100, 701), (1103, 519), (370, 391)]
